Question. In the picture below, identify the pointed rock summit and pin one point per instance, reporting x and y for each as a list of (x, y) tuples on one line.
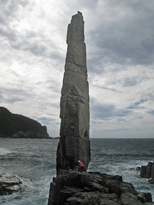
[(74, 142)]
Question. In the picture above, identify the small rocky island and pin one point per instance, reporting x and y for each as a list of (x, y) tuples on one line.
[(147, 171), (72, 186), (19, 126)]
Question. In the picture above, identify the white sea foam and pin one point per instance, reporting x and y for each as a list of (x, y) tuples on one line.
[(4, 151)]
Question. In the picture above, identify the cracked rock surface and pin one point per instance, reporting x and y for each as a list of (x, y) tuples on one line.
[(92, 188)]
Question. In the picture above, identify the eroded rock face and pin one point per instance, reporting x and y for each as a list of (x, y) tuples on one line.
[(74, 141)]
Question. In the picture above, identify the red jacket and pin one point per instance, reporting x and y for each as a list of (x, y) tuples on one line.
[(81, 164)]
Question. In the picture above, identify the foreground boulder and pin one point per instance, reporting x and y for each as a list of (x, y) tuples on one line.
[(9, 184), (18, 126), (92, 188)]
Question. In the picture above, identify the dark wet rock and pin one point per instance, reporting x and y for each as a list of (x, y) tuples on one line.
[(18, 126), (94, 188), (74, 142), (9, 184), (148, 172)]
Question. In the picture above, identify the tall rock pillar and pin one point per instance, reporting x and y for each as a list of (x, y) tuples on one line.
[(74, 141)]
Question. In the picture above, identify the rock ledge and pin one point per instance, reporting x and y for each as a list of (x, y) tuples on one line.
[(94, 188)]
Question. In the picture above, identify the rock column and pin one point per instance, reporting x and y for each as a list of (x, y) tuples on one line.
[(74, 141)]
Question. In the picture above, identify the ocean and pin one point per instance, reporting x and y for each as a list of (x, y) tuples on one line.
[(34, 161)]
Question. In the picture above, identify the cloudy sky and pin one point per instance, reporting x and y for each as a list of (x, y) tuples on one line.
[(119, 36)]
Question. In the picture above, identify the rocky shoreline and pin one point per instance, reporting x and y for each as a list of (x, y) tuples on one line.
[(93, 188)]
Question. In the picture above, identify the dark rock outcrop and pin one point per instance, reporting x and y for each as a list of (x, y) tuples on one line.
[(9, 184), (18, 126), (75, 187), (74, 141), (148, 172)]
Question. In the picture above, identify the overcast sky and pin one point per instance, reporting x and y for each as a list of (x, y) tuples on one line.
[(119, 36)]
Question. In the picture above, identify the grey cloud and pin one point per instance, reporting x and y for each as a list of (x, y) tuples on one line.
[(148, 44), (55, 105), (55, 88), (106, 111), (127, 37), (106, 88), (46, 120), (90, 4), (8, 9), (1, 97), (111, 89), (7, 33), (12, 100), (13, 95), (127, 82), (35, 43), (36, 48)]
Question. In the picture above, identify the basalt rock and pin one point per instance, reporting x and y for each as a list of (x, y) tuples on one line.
[(74, 141), (75, 187)]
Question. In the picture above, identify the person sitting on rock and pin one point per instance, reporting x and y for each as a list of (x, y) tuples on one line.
[(81, 166)]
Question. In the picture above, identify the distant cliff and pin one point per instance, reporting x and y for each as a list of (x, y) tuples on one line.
[(18, 126)]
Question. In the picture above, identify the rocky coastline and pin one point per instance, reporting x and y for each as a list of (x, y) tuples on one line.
[(93, 188)]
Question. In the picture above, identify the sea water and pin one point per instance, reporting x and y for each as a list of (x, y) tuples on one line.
[(34, 161)]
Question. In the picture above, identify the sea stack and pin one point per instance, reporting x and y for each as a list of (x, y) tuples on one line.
[(72, 187), (74, 141)]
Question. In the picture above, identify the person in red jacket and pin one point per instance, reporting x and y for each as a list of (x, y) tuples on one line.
[(81, 166)]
